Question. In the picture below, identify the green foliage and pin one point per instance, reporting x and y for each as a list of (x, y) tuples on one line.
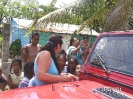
[(99, 15), (46, 9), (1, 38), (120, 17), (28, 9), (15, 48), (25, 9)]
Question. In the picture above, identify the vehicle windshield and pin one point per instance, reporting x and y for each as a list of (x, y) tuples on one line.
[(116, 51)]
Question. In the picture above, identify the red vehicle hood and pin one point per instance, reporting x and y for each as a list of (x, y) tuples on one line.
[(68, 90)]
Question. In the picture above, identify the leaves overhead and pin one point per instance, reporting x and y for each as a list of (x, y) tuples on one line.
[(26, 9), (88, 13), (18, 9)]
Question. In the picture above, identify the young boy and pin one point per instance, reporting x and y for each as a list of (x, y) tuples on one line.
[(28, 73)]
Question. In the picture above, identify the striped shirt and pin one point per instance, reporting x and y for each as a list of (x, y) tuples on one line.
[(24, 83)]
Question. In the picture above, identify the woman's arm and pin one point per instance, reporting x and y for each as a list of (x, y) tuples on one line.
[(44, 61), (77, 49), (10, 83)]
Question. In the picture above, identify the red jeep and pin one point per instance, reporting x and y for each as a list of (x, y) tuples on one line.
[(106, 74)]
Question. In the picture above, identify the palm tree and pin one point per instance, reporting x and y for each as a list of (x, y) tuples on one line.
[(100, 15), (120, 17)]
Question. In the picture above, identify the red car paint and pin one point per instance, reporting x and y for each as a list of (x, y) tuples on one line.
[(113, 79), (91, 78), (68, 90)]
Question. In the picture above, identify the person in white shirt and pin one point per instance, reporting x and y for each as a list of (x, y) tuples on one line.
[(74, 50)]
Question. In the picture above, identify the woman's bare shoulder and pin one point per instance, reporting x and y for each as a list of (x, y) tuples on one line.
[(45, 53)]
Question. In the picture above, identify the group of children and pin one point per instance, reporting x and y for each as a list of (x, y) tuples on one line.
[(17, 78), (71, 63)]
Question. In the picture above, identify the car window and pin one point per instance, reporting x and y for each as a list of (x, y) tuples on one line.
[(116, 51)]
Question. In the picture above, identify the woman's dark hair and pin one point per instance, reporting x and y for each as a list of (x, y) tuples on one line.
[(28, 68), (34, 34), (71, 40), (85, 37), (16, 60), (54, 40)]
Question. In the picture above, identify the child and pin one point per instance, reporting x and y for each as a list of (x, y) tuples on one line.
[(85, 51), (3, 81), (85, 48), (61, 59), (15, 77), (28, 73), (72, 63), (77, 71)]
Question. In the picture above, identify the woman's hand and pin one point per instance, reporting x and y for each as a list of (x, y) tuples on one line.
[(70, 77), (74, 78), (81, 43)]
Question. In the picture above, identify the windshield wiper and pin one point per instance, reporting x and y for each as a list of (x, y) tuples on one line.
[(102, 62)]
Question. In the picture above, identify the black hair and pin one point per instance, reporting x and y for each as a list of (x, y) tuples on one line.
[(16, 60), (76, 63), (54, 40), (71, 40), (28, 68), (34, 34), (85, 37), (61, 37), (63, 52)]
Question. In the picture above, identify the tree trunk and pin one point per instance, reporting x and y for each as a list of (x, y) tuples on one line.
[(5, 49), (5, 42)]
